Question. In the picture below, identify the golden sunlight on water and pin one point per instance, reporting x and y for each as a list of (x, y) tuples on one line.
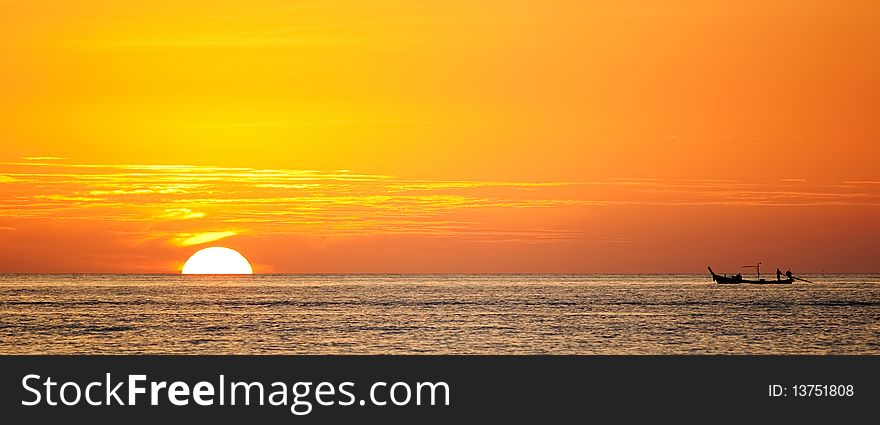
[(350, 314)]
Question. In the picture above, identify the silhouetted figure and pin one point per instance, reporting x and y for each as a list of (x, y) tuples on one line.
[(778, 274), (788, 274), (738, 277)]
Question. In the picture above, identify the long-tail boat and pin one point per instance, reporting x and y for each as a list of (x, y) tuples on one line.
[(724, 279)]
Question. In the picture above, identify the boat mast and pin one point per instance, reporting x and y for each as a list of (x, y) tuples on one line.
[(757, 268)]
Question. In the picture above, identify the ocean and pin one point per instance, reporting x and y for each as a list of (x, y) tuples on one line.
[(435, 314)]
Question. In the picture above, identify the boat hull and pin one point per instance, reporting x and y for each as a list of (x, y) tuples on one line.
[(756, 282)]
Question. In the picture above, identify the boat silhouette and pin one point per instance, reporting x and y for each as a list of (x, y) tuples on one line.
[(737, 278)]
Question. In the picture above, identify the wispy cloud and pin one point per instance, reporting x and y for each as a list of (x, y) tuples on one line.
[(189, 239), (180, 214), (43, 158), (173, 199)]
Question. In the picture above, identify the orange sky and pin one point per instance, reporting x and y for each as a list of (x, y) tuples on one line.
[(427, 136)]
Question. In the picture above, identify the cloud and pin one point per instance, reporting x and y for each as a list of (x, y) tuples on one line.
[(189, 239), (272, 201), (43, 158), (180, 214)]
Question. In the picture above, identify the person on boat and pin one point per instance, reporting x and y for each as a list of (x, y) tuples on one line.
[(788, 274), (738, 277), (778, 273)]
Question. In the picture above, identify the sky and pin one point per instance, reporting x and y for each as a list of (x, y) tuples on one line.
[(416, 136)]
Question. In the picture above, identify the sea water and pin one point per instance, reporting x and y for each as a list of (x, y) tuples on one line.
[(435, 314)]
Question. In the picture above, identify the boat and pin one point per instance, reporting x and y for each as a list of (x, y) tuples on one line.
[(736, 279)]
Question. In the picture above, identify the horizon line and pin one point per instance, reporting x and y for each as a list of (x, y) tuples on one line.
[(413, 273)]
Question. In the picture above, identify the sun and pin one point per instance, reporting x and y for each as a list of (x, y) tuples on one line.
[(217, 260)]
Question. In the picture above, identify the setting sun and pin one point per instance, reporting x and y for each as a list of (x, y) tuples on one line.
[(217, 260)]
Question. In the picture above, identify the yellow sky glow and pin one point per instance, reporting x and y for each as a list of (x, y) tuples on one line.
[(425, 136)]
